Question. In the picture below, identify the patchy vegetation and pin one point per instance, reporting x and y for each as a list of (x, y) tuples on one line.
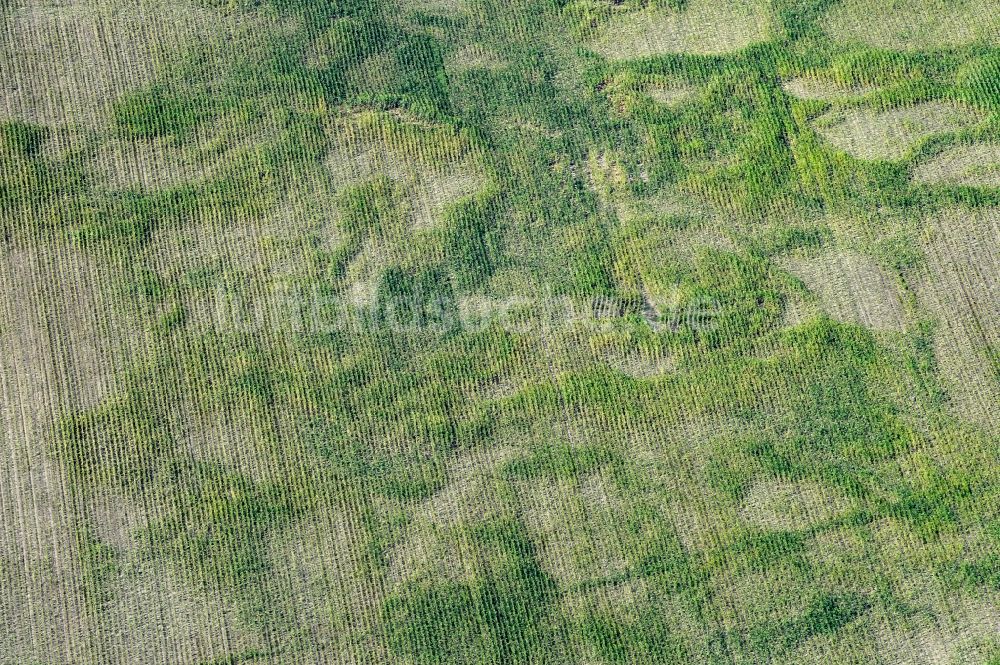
[(891, 135), (468, 331)]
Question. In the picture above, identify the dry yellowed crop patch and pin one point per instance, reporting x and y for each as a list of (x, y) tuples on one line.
[(629, 604), (319, 582), (914, 24), (812, 88), (961, 289), (157, 612), (975, 165), (771, 595), (704, 27), (787, 506), (641, 366), (624, 601), (42, 609), (366, 268), (146, 164), (437, 543), (473, 56), (852, 288), (890, 135), (241, 275), (63, 337), (436, 7), (671, 95), (798, 309), (952, 627), (230, 278), (574, 522), (61, 342), (963, 634), (67, 62), (220, 147), (437, 191)]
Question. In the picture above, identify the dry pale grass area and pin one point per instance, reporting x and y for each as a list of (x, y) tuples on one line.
[(575, 523), (671, 95), (319, 584), (965, 165), (851, 287), (704, 27), (437, 543), (890, 135), (815, 89), (66, 62), (914, 24), (961, 288), (786, 506), (436, 7), (60, 345), (473, 56)]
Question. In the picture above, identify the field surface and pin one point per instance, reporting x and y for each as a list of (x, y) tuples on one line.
[(493, 332)]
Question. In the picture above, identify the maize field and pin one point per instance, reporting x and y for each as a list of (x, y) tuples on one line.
[(491, 332)]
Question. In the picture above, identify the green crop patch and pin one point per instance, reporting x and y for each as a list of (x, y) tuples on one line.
[(156, 112)]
